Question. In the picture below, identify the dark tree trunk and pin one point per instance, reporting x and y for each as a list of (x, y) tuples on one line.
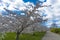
[(17, 35), (33, 31)]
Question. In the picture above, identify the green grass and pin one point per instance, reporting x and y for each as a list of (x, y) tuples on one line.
[(27, 36), (55, 30)]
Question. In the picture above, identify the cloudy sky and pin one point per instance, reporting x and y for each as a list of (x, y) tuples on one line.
[(52, 12)]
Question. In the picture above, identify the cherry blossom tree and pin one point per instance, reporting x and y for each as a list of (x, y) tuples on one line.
[(17, 23)]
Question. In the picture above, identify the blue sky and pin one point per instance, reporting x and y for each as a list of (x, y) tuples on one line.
[(34, 1), (16, 5)]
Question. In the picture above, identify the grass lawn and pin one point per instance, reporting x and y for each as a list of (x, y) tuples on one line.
[(37, 36)]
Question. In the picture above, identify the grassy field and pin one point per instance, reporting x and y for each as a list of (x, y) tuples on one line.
[(55, 30), (37, 36)]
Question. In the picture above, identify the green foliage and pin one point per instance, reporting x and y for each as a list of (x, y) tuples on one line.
[(55, 30), (25, 36)]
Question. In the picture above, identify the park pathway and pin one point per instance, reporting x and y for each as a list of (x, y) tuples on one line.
[(51, 36)]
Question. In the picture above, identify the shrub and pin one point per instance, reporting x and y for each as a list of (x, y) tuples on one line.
[(55, 30)]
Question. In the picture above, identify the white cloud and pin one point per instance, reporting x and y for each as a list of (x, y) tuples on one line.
[(47, 2), (22, 13), (58, 22), (53, 10)]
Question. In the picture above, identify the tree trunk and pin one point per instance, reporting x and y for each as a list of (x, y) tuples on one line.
[(33, 31), (17, 35), (19, 32)]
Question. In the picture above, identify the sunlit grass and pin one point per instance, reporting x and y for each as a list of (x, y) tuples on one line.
[(25, 36)]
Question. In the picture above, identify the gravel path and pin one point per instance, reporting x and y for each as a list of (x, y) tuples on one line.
[(51, 36)]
